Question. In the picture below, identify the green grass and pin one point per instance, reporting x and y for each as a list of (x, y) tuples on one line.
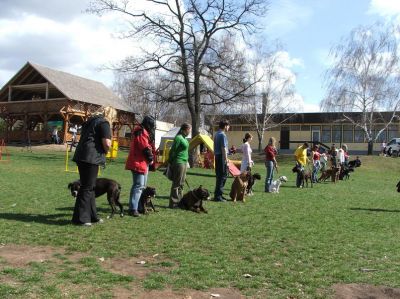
[(297, 243)]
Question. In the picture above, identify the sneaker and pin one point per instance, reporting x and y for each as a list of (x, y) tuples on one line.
[(99, 220), (86, 224), (219, 200), (135, 213)]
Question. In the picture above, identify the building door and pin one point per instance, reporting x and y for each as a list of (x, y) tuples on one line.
[(316, 136), (285, 138)]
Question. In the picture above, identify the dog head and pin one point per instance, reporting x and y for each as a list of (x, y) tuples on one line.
[(202, 193), (244, 176), (74, 187), (283, 179), (148, 193)]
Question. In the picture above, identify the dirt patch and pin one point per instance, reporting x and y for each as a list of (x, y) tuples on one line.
[(181, 294), (20, 255), (365, 291), (129, 266)]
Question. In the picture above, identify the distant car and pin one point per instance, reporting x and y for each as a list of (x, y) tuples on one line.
[(393, 147)]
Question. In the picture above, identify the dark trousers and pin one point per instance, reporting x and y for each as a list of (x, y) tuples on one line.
[(221, 173), (85, 206), (178, 179)]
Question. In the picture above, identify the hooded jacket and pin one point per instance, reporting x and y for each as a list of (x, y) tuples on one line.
[(140, 151)]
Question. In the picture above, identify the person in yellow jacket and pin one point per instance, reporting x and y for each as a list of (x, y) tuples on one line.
[(301, 160)]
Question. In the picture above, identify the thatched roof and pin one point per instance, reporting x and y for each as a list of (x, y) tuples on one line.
[(74, 87)]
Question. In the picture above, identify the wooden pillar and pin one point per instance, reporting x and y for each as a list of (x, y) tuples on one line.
[(9, 93), (45, 127), (66, 117), (47, 91)]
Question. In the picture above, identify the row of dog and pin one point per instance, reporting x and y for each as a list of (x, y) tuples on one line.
[(192, 200), (335, 173)]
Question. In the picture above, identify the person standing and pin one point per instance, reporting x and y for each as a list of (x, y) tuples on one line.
[(270, 162), (54, 136), (247, 163), (139, 158), (221, 159), (90, 153), (178, 159), (301, 160), (316, 163)]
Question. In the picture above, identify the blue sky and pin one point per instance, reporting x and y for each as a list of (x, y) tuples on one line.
[(58, 35)]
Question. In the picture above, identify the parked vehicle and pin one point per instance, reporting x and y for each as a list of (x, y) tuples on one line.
[(393, 147)]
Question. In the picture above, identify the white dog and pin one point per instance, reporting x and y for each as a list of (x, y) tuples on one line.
[(274, 188)]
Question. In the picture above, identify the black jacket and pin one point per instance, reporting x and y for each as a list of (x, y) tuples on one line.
[(90, 148)]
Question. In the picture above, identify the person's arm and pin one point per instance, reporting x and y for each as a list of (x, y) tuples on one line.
[(106, 142)]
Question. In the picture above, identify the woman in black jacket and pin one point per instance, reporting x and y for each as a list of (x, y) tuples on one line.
[(90, 153)]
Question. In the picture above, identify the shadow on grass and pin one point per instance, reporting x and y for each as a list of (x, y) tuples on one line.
[(45, 219), (375, 210)]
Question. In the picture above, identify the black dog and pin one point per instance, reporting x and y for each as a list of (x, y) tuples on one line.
[(145, 202), (345, 173), (251, 180), (103, 185), (398, 186), (355, 163), (193, 200)]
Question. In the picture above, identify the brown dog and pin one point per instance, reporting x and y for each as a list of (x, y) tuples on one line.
[(304, 174), (193, 200), (239, 186), (332, 173)]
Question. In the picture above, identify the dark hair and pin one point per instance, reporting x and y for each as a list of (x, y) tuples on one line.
[(305, 144), (223, 123), (184, 126), (246, 137), (149, 123)]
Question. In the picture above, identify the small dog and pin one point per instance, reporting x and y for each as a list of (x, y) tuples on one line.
[(251, 180), (274, 188), (103, 185), (398, 186), (239, 187), (193, 200), (304, 175), (145, 200), (345, 173), (355, 163)]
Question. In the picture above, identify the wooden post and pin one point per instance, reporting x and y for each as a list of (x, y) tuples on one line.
[(9, 93), (47, 91), (45, 127)]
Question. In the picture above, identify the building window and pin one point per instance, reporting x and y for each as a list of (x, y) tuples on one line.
[(326, 134), (233, 128), (337, 134), (347, 133), (382, 136), (305, 128), (359, 135), (393, 132)]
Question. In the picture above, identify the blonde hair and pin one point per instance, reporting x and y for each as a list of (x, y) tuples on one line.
[(108, 112), (272, 141)]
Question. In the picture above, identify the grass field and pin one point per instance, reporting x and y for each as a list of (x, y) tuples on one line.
[(295, 244)]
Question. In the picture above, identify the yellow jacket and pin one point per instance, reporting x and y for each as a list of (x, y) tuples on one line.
[(301, 155)]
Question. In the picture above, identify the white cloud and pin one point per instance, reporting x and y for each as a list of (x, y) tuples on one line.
[(286, 15), (385, 8)]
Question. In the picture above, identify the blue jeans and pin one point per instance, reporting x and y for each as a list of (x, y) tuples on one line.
[(270, 174), (315, 172), (139, 183)]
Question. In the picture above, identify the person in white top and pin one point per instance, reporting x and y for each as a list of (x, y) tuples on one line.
[(246, 150)]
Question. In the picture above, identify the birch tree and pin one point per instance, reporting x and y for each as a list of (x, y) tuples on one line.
[(364, 78)]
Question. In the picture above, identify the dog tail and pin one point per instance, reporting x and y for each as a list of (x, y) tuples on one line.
[(257, 176)]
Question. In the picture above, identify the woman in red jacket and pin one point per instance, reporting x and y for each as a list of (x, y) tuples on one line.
[(270, 163), (139, 158)]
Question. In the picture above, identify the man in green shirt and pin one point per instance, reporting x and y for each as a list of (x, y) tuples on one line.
[(178, 159)]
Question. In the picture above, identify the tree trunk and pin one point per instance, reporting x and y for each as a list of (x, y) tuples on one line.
[(195, 131), (370, 147)]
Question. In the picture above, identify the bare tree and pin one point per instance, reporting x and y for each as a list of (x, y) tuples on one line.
[(133, 88), (273, 94), (188, 33), (365, 77)]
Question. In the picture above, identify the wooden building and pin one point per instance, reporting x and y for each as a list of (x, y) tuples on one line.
[(325, 127), (38, 96)]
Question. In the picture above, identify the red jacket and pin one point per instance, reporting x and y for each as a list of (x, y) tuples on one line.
[(270, 153), (137, 159)]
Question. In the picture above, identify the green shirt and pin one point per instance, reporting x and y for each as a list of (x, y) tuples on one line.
[(179, 152)]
